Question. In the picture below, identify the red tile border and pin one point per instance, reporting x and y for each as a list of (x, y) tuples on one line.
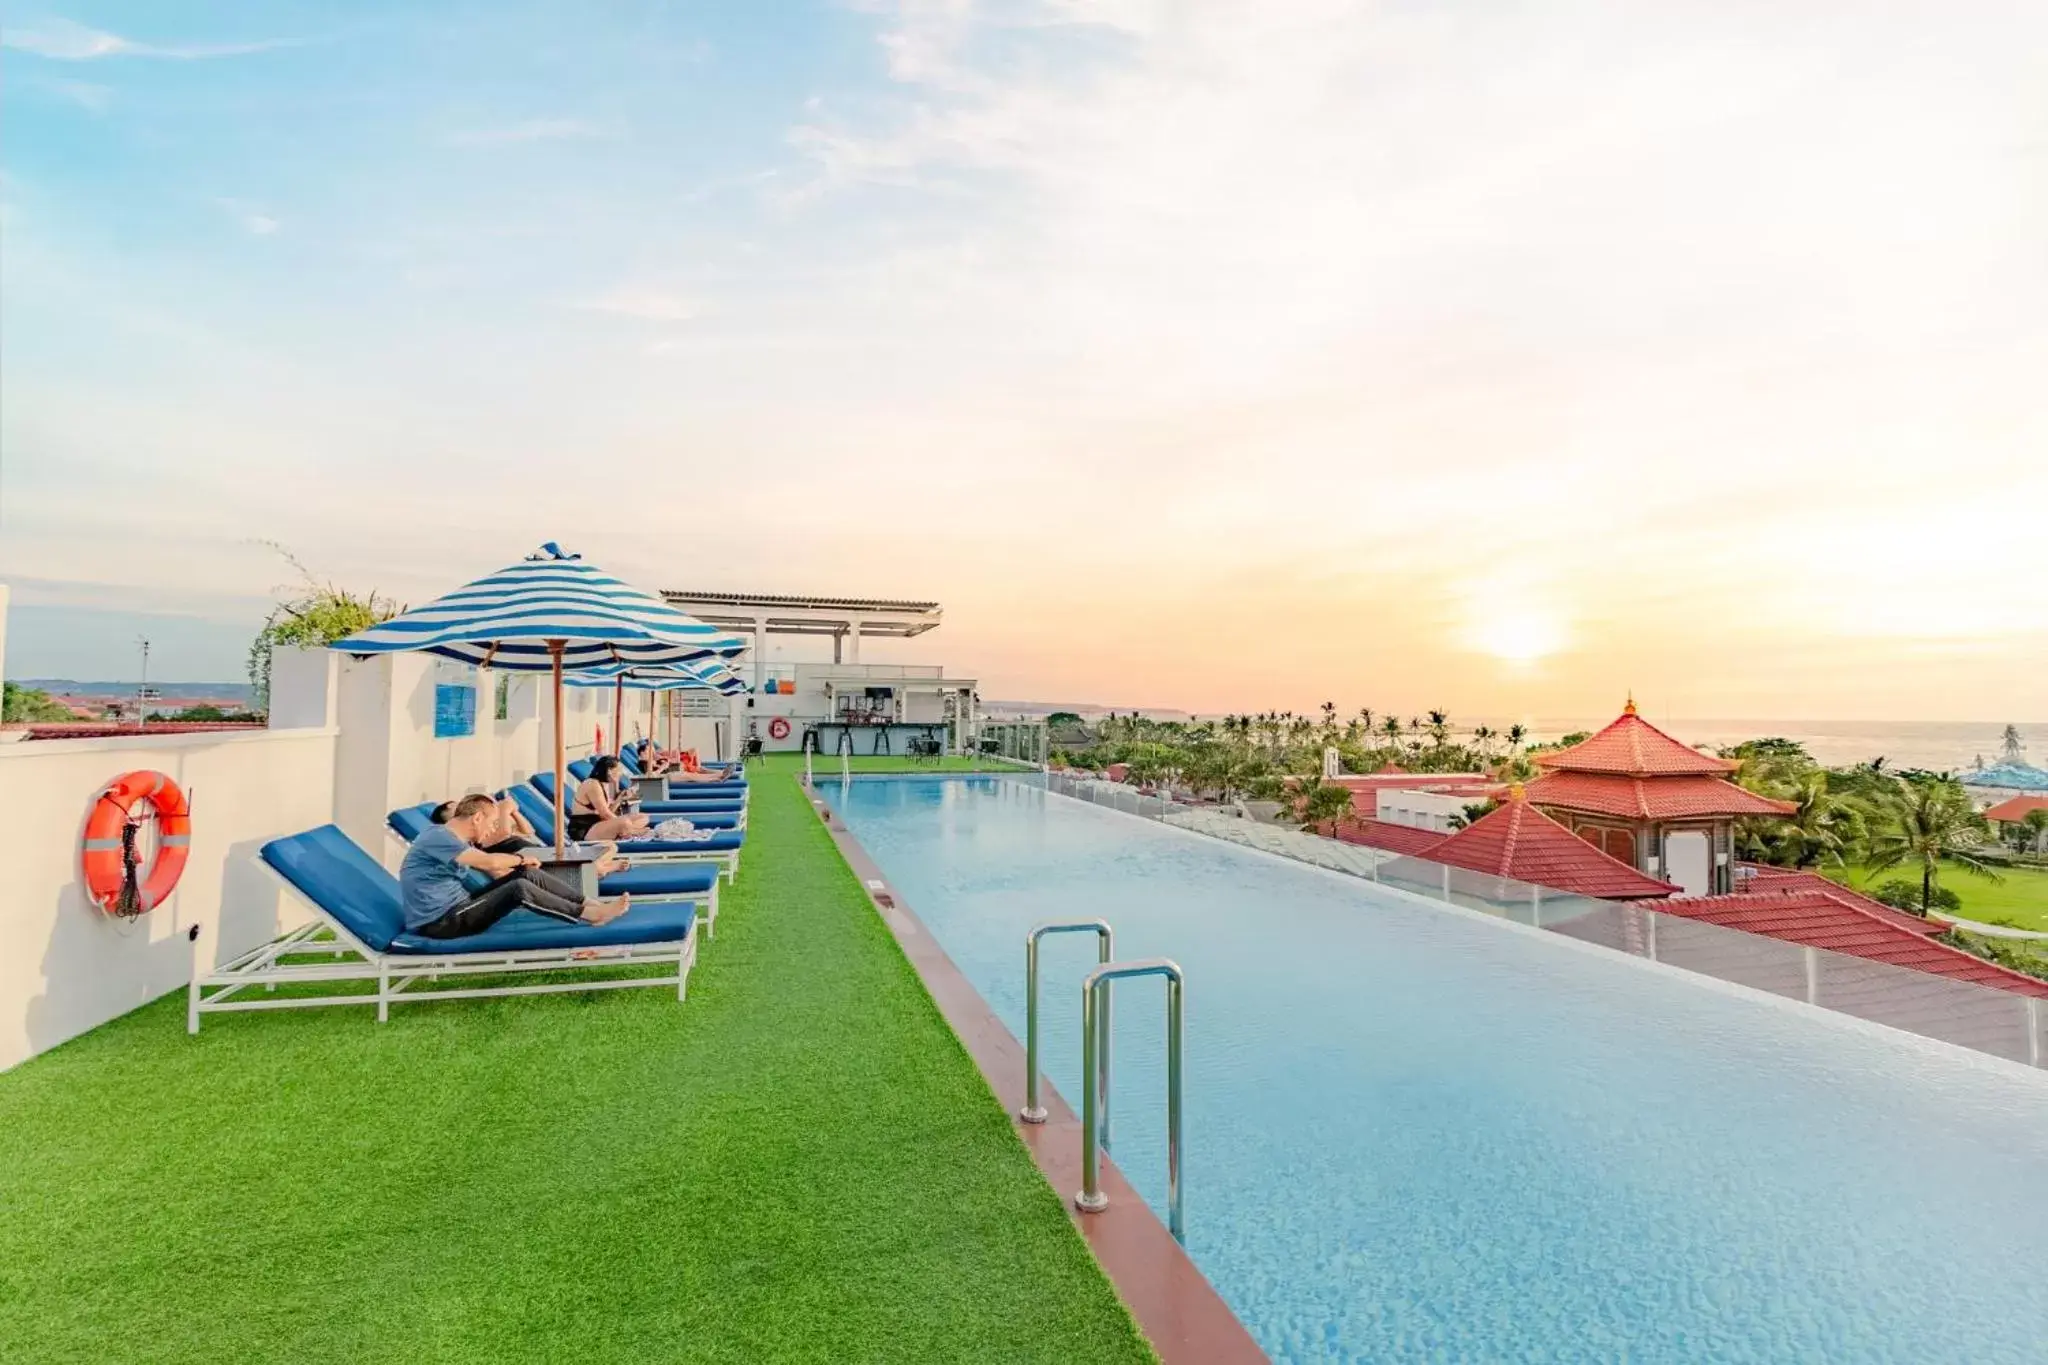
[(1176, 1307)]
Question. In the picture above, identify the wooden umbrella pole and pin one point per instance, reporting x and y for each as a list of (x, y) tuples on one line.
[(561, 767), (619, 715)]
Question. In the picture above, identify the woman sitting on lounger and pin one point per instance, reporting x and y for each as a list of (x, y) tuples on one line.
[(598, 812)]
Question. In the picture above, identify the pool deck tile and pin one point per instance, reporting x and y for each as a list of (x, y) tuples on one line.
[(1177, 1308)]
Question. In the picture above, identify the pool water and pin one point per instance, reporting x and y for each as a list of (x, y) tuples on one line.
[(1415, 1133)]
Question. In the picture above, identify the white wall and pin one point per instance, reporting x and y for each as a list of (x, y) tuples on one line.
[(390, 757), (1422, 810), (65, 965), (350, 740)]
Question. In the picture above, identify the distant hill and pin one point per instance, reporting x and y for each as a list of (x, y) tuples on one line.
[(238, 692), (1087, 710)]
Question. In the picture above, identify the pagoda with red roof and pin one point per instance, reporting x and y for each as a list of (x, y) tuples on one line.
[(1521, 843), (1645, 799)]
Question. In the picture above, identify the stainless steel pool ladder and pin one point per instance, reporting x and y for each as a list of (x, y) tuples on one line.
[(1095, 1046), (1105, 949)]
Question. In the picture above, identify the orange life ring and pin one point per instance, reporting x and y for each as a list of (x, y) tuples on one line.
[(778, 728), (108, 854)]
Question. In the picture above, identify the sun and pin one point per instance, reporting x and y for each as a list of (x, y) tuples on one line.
[(1513, 622)]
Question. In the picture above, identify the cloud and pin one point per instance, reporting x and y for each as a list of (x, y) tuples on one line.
[(61, 40), (648, 305), (92, 98), (532, 130), (254, 220)]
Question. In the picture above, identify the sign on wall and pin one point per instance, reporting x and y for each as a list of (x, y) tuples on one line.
[(699, 705), (454, 700)]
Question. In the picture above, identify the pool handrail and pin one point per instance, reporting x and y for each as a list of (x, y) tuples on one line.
[(1105, 950), (1094, 1037)]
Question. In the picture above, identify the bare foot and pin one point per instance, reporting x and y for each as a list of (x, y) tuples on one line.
[(604, 912)]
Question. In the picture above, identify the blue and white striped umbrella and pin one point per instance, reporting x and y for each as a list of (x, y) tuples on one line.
[(706, 675), (552, 612), (511, 619)]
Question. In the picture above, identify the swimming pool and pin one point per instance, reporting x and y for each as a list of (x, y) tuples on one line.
[(1419, 1134)]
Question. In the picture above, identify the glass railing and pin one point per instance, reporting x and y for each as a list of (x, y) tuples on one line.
[(1980, 1017)]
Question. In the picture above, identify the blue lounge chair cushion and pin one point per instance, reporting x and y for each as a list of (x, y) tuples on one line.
[(667, 922), (662, 879), (700, 817), (537, 807), (578, 769), (721, 841), (690, 810), (410, 822), (328, 868)]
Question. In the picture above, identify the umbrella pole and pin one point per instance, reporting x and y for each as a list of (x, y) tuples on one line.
[(561, 774), (619, 715)]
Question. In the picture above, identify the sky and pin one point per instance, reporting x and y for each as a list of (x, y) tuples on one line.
[(1500, 358)]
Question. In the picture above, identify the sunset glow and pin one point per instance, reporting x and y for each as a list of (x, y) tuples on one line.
[(1575, 348)]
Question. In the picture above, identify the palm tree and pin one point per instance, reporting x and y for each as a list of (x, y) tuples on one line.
[(1392, 729), (1439, 728), (1317, 801), (1517, 734), (1824, 825), (1482, 738), (1934, 824)]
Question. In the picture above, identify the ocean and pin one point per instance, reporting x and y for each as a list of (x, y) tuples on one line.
[(1937, 745)]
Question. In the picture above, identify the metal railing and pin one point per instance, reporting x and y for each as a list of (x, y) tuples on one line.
[(1094, 1046), (1985, 1018), (1105, 949)]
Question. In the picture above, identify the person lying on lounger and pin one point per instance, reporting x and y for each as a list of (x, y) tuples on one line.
[(438, 905), (599, 811), (505, 830)]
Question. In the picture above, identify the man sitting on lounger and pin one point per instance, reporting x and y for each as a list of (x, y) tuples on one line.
[(503, 829), (438, 905)]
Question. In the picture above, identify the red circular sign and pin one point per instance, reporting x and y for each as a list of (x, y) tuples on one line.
[(778, 728)]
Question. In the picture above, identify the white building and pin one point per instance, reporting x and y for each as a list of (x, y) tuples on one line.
[(841, 704)]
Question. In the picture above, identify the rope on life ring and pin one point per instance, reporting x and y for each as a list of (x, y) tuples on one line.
[(109, 859), (779, 728)]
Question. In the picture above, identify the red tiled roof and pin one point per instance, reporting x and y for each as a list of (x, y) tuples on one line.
[(1518, 841), (1405, 840), (1759, 877), (2016, 809), (1655, 798), (1632, 747), (1822, 919)]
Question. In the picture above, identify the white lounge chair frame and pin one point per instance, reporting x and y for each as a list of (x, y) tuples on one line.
[(399, 976)]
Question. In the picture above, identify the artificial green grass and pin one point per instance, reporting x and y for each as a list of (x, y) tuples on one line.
[(2018, 898), (798, 1163)]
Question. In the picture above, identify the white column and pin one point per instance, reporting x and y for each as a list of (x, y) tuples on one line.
[(760, 652), (853, 641)]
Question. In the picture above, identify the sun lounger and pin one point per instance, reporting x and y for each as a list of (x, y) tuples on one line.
[(693, 881), (634, 757), (735, 788), (689, 810), (723, 846), (358, 934)]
